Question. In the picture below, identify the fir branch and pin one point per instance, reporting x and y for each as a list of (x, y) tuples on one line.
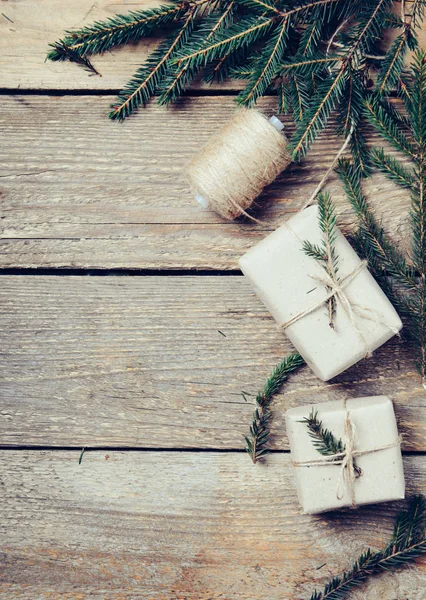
[(262, 7), (417, 113), (311, 37), (392, 168), (299, 96), (408, 543), (369, 28), (323, 440), (68, 53), (389, 258), (307, 65), (266, 67), (145, 83), (179, 78), (389, 129), (408, 292), (351, 106), (242, 71), (398, 298), (327, 224), (403, 90), (394, 62), (315, 119), (118, 30), (224, 38), (417, 107), (350, 119), (397, 115), (244, 33), (417, 13), (360, 151), (284, 100), (326, 254), (257, 440)]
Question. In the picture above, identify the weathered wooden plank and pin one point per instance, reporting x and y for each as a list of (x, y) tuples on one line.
[(79, 190), (28, 26), (161, 362), (186, 526)]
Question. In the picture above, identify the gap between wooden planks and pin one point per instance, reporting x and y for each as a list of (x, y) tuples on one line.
[(154, 362), (180, 526), (80, 191)]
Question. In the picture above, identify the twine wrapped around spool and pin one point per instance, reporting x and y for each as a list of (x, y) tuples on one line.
[(231, 171)]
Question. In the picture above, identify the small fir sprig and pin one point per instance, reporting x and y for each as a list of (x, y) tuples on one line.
[(68, 53), (324, 440), (326, 253), (317, 54), (257, 440), (408, 542)]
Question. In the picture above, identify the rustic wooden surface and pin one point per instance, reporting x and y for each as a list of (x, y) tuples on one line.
[(65, 204), (28, 27), (145, 366), (144, 361), (187, 526)]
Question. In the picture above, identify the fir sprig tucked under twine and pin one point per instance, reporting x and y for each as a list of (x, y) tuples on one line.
[(317, 54), (326, 253), (407, 543), (258, 438), (324, 440)]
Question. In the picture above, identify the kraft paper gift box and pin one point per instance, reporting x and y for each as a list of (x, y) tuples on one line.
[(320, 483), (287, 282)]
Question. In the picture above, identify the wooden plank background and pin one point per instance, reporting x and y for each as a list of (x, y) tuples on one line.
[(187, 526), (144, 361), (65, 204), (146, 366)]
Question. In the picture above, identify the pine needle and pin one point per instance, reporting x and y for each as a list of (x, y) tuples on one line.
[(146, 81)]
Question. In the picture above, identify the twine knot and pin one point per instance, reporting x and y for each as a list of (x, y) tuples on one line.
[(337, 289), (349, 472)]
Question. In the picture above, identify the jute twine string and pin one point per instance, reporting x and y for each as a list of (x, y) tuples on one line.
[(348, 474), (233, 168), (246, 156), (337, 290)]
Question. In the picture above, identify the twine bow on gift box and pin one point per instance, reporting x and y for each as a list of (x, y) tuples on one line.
[(336, 286), (349, 472), (337, 290)]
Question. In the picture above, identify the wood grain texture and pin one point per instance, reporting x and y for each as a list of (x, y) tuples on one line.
[(27, 27), (78, 190), (161, 362), (181, 526)]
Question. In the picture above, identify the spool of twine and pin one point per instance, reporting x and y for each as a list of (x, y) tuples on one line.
[(230, 172)]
